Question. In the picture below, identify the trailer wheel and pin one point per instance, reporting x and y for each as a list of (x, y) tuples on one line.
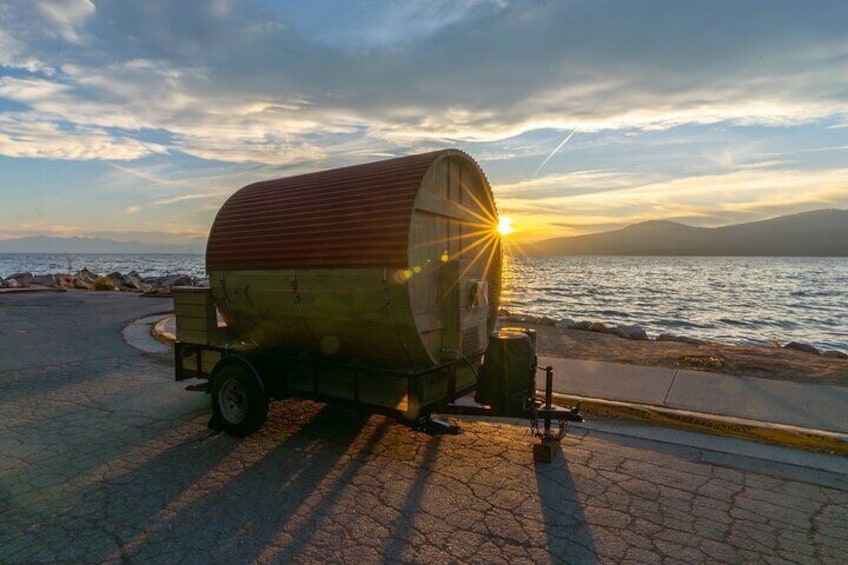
[(239, 402)]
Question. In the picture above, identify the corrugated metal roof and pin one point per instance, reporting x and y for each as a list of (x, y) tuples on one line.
[(353, 217)]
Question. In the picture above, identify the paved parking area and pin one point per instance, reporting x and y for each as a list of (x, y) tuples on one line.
[(103, 458)]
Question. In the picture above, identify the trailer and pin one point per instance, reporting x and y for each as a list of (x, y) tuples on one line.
[(375, 285)]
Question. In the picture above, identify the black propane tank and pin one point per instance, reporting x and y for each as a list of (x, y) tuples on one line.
[(507, 377)]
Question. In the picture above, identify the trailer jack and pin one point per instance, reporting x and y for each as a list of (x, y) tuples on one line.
[(540, 414), (545, 449)]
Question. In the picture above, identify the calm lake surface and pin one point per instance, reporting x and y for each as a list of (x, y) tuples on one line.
[(752, 300), (146, 265)]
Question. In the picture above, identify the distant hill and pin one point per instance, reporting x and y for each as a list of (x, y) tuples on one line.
[(44, 244), (823, 233)]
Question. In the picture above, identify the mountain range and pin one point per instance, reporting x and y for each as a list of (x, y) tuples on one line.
[(822, 233), (59, 245)]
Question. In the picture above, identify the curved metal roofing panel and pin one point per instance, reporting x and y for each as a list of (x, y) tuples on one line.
[(352, 217)]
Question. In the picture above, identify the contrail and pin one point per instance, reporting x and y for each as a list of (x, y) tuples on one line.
[(554, 152)]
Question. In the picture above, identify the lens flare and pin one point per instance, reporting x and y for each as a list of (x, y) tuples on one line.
[(505, 225)]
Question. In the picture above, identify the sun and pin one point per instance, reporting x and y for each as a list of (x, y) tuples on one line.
[(505, 225)]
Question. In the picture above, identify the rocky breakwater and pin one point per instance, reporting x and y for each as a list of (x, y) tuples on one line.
[(114, 282), (638, 333)]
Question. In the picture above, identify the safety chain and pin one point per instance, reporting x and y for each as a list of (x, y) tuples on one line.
[(536, 431)]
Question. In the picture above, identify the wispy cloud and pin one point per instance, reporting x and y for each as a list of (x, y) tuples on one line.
[(24, 135), (183, 198), (707, 200), (66, 17)]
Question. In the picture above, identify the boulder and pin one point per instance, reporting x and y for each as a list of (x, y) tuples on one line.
[(680, 339), (132, 281), (545, 321), (112, 281), (83, 284), (66, 281), (157, 291), (805, 347), (13, 283), (86, 276), (835, 354), (2, 282), (23, 279), (45, 280), (599, 327), (170, 281), (584, 325), (634, 331), (565, 323)]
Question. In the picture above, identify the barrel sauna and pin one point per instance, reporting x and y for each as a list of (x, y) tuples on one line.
[(394, 264)]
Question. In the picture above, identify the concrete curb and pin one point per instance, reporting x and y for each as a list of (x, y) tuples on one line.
[(160, 333), (765, 432)]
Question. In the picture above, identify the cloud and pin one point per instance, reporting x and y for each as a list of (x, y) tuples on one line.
[(183, 198), (26, 135), (706, 200), (298, 83), (386, 24), (569, 184), (65, 17), (246, 146), (31, 91), (10, 49)]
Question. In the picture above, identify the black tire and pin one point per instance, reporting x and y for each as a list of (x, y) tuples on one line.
[(239, 402)]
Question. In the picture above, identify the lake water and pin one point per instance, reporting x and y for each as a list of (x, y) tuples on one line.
[(146, 265), (752, 300)]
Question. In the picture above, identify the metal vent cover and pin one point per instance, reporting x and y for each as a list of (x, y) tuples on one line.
[(471, 340)]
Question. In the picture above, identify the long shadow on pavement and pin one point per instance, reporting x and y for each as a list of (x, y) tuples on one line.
[(569, 535), (264, 499)]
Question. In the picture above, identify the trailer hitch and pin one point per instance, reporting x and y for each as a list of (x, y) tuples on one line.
[(544, 450)]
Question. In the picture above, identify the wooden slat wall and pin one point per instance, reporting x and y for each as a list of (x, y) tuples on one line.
[(337, 312)]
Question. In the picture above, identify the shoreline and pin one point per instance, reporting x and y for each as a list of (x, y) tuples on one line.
[(565, 338), (635, 331), (770, 362)]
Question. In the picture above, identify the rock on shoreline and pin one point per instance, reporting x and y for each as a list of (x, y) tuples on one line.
[(115, 282), (638, 333)]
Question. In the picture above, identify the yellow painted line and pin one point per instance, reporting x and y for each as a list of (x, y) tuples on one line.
[(766, 432)]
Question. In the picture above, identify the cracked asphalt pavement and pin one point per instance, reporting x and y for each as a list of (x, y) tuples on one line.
[(105, 459)]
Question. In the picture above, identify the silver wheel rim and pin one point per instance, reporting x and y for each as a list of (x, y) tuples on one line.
[(232, 400)]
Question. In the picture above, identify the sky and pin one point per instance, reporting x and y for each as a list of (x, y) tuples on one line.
[(135, 120)]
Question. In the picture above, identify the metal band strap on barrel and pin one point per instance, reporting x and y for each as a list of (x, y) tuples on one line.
[(297, 307), (391, 315)]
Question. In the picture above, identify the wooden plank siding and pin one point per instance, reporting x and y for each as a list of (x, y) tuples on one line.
[(374, 262)]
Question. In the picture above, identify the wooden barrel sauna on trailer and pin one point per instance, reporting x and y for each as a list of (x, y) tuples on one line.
[(376, 285)]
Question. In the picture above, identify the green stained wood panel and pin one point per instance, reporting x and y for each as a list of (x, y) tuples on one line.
[(354, 313)]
